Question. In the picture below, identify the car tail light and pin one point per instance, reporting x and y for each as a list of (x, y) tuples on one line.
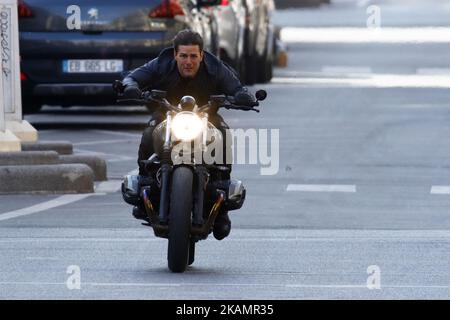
[(24, 10), (167, 9), (225, 2), (23, 76)]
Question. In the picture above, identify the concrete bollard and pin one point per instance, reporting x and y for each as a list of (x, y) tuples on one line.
[(98, 165), (62, 147), (62, 178), (28, 158)]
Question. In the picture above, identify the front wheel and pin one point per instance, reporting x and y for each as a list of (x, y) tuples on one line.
[(180, 219), (191, 252)]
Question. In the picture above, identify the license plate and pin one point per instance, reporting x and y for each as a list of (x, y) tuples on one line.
[(92, 66)]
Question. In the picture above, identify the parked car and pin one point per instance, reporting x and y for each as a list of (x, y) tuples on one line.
[(231, 30), (64, 67), (259, 41), (247, 41)]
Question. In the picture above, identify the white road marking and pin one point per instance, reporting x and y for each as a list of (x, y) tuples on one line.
[(109, 157), (346, 70), (362, 3), (213, 284), (110, 186), (418, 106), (241, 240), (88, 143), (433, 71), (60, 201), (103, 188), (365, 286), (321, 188), (296, 74), (91, 236), (365, 35), (440, 190), (88, 239), (373, 81), (118, 133)]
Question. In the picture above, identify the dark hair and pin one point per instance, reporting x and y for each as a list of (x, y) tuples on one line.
[(187, 37)]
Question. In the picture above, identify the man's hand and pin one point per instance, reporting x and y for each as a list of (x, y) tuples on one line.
[(244, 98), (132, 92)]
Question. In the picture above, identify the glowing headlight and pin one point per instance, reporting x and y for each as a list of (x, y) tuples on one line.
[(186, 126)]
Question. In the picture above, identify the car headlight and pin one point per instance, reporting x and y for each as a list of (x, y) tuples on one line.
[(186, 126)]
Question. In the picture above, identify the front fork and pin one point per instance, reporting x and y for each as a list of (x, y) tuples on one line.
[(166, 164), (202, 177)]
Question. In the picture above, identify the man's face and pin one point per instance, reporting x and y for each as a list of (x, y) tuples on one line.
[(188, 60)]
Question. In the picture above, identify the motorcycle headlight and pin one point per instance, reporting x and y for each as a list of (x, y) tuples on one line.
[(186, 126)]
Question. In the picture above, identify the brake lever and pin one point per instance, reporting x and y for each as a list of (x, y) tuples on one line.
[(243, 108), (249, 109), (138, 101)]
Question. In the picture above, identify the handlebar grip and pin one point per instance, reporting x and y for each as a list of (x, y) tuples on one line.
[(118, 86)]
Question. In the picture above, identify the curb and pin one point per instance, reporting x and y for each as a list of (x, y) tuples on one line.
[(59, 178), (98, 165)]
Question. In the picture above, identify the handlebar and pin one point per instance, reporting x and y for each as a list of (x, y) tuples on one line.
[(229, 102), (216, 101)]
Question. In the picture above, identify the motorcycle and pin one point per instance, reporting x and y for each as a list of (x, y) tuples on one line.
[(181, 199)]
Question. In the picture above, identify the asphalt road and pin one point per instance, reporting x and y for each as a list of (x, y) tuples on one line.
[(357, 210)]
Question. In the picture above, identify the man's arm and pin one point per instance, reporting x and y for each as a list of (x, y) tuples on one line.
[(142, 76), (230, 85)]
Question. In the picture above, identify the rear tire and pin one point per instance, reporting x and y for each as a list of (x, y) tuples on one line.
[(250, 70), (180, 219), (265, 73)]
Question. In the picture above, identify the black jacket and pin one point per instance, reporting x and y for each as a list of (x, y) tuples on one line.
[(214, 77)]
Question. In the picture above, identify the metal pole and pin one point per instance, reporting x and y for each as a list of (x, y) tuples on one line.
[(11, 89), (2, 109), (8, 141)]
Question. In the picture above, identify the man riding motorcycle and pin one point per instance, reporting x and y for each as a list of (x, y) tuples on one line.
[(186, 69)]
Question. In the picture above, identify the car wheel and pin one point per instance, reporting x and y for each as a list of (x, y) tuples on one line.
[(251, 70), (31, 107), (240, 67), (265, 73)]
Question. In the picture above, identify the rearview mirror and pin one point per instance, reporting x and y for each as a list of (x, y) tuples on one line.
[(261, 95)]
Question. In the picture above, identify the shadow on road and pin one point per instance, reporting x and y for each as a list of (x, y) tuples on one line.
[(82, 118), (89, 125), (101, 111)]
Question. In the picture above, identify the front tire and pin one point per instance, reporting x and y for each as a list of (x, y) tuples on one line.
[(191, 252), (180, 219)]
